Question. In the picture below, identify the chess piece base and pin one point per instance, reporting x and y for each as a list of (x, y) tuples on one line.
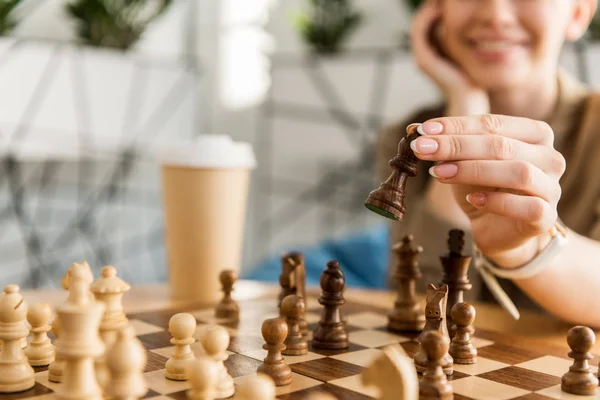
[(40, 354), (420, 360), (317, 344), (42, 362), (295, 351), (17, 386), (16, 377), (385, 209), (176, 377), (176, 368), (574, 383), (225, 394), (55, 371), (436, 394), (280, 372), (295, 345), (465, 361), (54, 378), (331, 337), (229, 311), (226, 387), (463, 353)]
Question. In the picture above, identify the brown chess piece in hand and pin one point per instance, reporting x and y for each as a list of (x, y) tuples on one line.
[(579, 379), (228, 308), (434, 384), (292, 308), (461, 348), (388, 199), (274, 331)]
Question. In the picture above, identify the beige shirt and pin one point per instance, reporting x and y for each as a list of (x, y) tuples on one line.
[(576, 125)]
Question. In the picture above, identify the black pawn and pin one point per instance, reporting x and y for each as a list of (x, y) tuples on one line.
[(331, 333), (228, 307), (579, 379), (274, 331), (461, 348), (434, 384)]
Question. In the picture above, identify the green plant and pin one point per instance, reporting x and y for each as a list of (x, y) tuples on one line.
[(327, 24), (7, 20), (593, 32), (114, 23)]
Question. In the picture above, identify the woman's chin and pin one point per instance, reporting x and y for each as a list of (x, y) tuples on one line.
[(495, 78)]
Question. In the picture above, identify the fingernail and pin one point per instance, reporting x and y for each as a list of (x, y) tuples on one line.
[(432, 128), (424, 145), (444, 170), (477, 199)]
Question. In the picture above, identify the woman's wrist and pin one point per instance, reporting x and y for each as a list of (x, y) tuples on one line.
[(521, 255)]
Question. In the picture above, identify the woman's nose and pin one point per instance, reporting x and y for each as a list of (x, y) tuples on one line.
[(497, 13)]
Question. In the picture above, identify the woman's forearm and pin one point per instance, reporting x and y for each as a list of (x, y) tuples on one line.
[(569, 287)]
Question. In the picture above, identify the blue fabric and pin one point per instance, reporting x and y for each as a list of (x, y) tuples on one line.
[(363, 256)]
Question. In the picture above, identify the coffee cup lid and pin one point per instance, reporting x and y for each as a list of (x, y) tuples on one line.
[(210, 151)]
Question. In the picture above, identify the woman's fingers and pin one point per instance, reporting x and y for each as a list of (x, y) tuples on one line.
[(536, 216), (507, 174), (487, 147), (523, 129)]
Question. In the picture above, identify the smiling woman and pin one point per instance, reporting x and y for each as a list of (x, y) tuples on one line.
[(509, 153)]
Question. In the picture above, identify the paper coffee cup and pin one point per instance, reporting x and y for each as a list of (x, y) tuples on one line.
[(205, 193)]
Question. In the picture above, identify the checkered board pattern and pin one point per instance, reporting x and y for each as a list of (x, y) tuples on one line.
[(508, 367)]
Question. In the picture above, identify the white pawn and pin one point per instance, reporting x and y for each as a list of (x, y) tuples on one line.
[(215, 342), (203, 379), (125, 362), (182, 327), (259, 387), (40, 351)]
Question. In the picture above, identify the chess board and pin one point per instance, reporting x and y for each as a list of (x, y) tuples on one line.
[(508, 367)]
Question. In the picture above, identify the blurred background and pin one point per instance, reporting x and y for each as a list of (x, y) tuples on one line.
[(91, 90)]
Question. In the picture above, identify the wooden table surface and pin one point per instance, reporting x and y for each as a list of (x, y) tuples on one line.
[(489, 316)]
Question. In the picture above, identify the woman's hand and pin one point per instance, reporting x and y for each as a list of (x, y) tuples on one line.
[(505, 174), (464, 97)]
